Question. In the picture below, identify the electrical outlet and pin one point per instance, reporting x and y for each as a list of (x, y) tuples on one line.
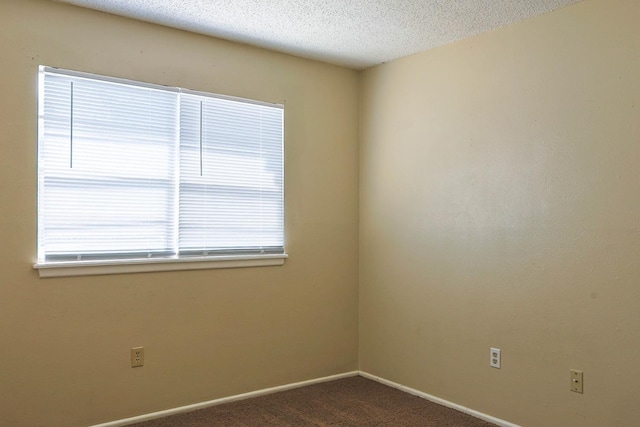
[(575, 381), (137, 357), (494, 358)]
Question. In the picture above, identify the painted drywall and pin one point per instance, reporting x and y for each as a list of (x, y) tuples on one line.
[(64, 343), (499, 207)]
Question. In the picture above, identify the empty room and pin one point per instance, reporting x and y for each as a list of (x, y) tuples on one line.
[(210, 201)]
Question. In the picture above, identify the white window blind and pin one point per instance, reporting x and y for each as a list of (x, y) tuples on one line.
[(131, 170), (231, 182)]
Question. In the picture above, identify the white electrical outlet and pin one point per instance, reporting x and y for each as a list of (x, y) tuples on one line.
[(137, 357), (494, 358)]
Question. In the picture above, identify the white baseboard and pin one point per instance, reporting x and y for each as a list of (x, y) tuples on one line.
[(202, 405), (434, 399)]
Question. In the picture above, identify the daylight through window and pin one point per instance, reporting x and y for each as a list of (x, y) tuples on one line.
[(128, 170)]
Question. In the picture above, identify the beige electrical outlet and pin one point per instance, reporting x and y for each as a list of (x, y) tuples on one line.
[(575, 381), (137, 357)]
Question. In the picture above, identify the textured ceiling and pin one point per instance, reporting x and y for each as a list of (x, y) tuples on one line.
[(352, 33)]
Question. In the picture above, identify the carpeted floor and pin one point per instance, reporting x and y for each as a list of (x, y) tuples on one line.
[(355, 401)]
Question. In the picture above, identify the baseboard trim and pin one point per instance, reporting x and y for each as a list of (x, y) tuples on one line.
[(202, 405), (439, 401)]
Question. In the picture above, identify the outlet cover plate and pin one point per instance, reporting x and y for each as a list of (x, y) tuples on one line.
[(137, 357), (494, 358), (575, 381)]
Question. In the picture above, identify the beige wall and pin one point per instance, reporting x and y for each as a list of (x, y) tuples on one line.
[(64, 343), (499, 201)]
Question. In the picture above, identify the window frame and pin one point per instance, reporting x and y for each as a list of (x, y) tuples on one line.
[(174, 262)]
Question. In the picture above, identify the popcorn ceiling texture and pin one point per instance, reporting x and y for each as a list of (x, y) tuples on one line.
[(353, 33)]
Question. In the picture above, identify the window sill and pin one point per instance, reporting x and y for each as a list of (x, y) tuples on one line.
[(95, 268)]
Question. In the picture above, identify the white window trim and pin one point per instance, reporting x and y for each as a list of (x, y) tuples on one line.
[(102, 267)]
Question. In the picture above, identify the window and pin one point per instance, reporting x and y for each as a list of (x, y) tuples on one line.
[(132, 173)]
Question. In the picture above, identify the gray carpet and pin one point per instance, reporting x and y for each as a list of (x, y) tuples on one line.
[(355, 401)]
